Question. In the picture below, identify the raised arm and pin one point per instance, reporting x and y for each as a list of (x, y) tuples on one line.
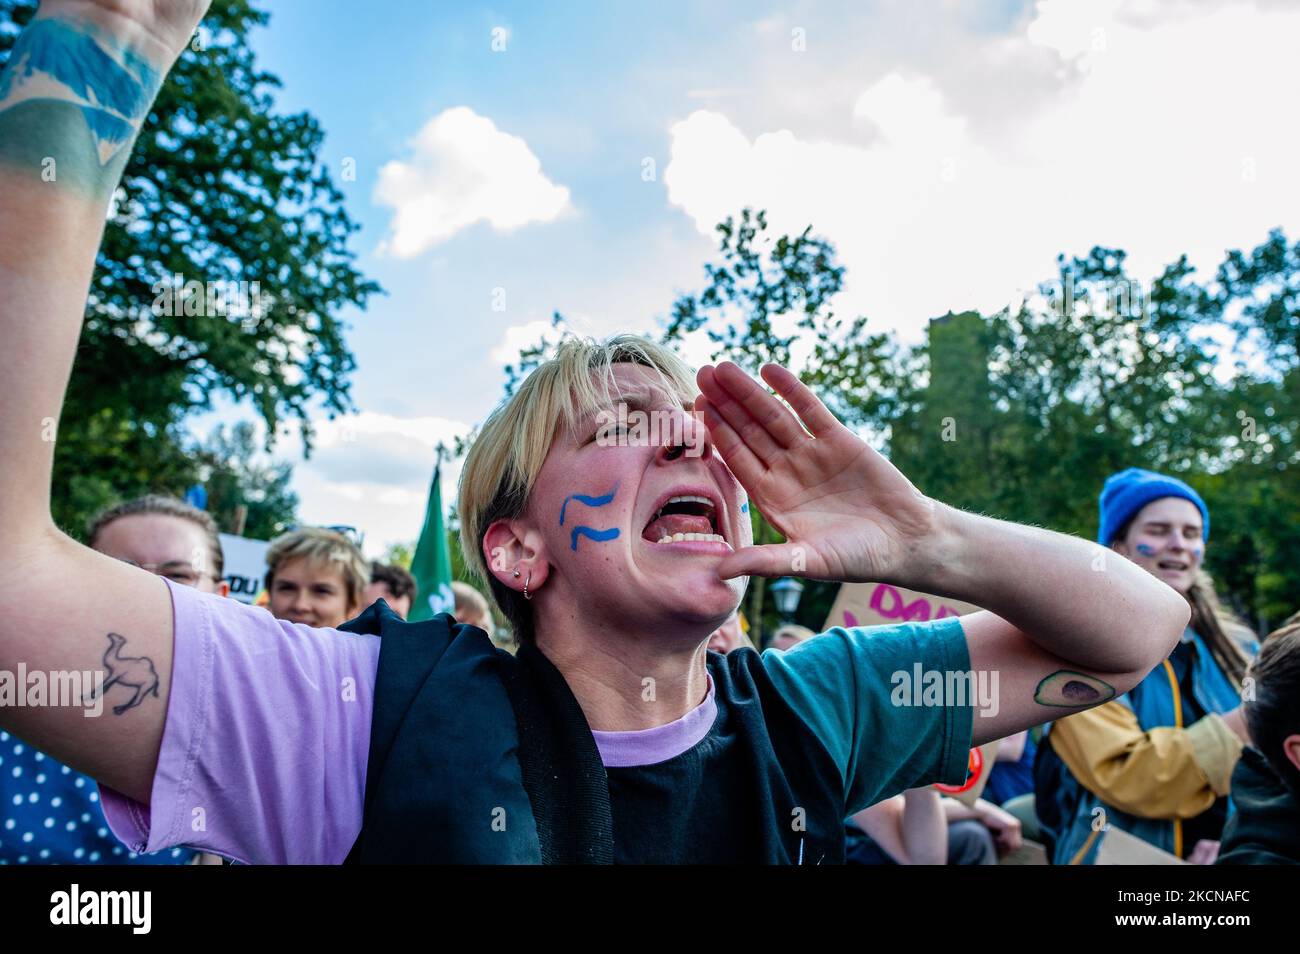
[(79, 82), (1069, 626)]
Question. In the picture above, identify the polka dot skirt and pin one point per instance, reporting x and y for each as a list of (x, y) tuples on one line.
[(50, 815)]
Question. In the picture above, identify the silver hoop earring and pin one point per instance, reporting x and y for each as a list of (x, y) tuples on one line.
[(526, 582)]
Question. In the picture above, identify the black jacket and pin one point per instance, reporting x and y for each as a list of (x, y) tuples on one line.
[(1266, 827)]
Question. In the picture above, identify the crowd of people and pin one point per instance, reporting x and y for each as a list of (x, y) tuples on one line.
[(1171, 761), (633, 718)]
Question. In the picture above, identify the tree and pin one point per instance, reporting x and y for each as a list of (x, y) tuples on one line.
[(1257, 494), (766, 293), (1024, 413), (399, 554), (224, 267), (236, 481)]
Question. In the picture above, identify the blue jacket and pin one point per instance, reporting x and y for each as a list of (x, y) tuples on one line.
[(1074, 817)]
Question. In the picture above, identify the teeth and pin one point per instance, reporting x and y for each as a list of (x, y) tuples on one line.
[(688, 537), (682, 498)]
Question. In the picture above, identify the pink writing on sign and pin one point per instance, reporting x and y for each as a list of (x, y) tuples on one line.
[(890, 604)]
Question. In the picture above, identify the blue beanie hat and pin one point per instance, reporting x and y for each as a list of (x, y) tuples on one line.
[(1130, 490)]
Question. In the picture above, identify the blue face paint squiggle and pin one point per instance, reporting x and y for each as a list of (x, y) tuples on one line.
[(584, 531), (598, 535), (589, 501), (1145, 550)]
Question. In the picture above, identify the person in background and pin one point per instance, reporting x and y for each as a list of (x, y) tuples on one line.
[(1265, 828), (1012, 774), (788, 636), (316, 577), (392, 584), (732, 634), (263, 722), (920, 827), (1001, 827), (471, 607), (904, 829), (49, 813), (1011, 780), (1157, 761)]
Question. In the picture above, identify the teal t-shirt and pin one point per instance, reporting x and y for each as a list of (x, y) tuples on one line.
[(801, 740), (842, 684)]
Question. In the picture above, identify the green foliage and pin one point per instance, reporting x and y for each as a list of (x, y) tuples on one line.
[(402, 554), (235, 479), (399, 554), (1024, 413)]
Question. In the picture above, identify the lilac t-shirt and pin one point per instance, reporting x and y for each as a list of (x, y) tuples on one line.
[(267, 736)]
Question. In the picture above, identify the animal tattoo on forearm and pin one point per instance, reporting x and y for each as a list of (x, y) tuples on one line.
[(136, 673)]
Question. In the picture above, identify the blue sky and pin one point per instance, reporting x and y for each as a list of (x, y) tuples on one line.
[(949, 149)]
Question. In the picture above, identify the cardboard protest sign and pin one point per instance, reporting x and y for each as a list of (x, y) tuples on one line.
[(875, 604), (1029, 853), (1118, 847), (245, 565)]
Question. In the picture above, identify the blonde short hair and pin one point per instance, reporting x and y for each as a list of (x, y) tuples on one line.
[(323, 548), (470, 606), (506, 457)]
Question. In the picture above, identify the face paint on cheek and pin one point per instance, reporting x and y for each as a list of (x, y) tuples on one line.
[(590, 532), (588, 500), (1145, 550), (600, 536)]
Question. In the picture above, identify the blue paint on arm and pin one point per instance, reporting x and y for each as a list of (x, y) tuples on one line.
[(112, 86), (107, 127), (72, 56), (598, 535), (744, 508), (589, 501)]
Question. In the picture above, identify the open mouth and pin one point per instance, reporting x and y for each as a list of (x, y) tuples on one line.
[(685, 518), (1177, 565)]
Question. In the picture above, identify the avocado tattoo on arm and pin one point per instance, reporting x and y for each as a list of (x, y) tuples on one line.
[(1068, 689)]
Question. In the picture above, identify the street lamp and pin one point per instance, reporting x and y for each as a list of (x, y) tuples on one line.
[(786, 592)]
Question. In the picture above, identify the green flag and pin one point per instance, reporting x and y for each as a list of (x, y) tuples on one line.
[(431, 565)]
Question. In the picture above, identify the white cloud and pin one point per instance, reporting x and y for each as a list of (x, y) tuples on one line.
[(463, 170), (1161, 137), (372, 471), (518, 337), (1072, 28)]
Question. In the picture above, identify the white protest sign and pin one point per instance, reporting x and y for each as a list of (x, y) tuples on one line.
[(245, 565)]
